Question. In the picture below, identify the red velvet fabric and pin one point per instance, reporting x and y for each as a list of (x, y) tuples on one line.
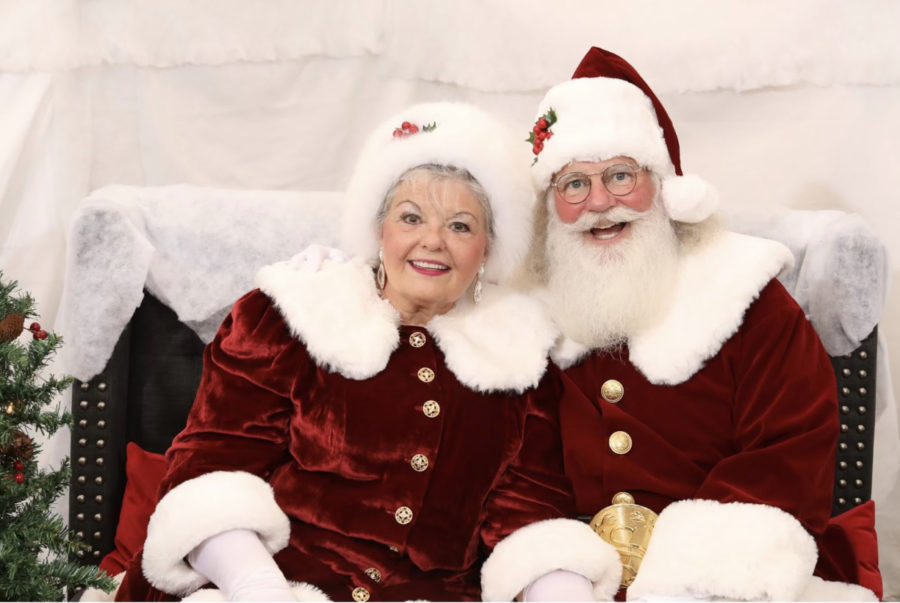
[(337, 454), (848, 548), (143, 473), (758, 423)]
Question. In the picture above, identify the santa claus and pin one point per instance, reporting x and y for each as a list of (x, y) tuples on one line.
[(696, 384)]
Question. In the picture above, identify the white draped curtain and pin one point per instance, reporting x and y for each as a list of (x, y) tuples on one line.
[(779, 104)]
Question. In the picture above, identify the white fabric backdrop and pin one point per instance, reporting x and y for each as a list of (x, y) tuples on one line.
[(779, 104)]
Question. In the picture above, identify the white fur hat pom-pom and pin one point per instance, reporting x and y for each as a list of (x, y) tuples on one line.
[(689, 198)]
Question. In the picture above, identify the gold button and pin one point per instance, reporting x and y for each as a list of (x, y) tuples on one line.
[(374, 574), (426, 375), (431, 409), (612, 390), (403, 515), (620, 442), (419, 462), (417, 339), (360, 594)]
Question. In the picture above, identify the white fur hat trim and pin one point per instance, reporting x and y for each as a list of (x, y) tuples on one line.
[(600, 118), (465, 137), (202, 507)]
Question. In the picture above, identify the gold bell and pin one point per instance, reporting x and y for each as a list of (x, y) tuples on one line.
[(627, 526)]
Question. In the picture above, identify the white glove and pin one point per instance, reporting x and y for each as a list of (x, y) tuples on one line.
[(311, 258), (240, 565), (559, 585)]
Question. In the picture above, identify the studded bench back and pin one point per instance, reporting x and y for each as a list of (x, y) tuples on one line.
[(146, 390)]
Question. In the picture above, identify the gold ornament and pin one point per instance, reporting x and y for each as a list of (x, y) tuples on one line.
[(627, 527), (10, 408)]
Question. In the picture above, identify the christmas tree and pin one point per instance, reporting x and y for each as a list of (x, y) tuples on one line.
[(34, 541)]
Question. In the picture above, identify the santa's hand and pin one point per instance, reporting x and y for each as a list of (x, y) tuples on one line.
[(239, 564), (559, 585), (312, 258)]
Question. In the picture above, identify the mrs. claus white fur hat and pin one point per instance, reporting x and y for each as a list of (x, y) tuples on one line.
[(608, 110), (454, 134)]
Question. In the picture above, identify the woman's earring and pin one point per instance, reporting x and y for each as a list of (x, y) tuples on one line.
[(380, 277), (476, 294)]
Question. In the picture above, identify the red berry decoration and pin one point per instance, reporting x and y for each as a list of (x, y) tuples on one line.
[(408, 128), (19, 466), (35, 326), (19, 477), (541, 132), (40, 334)]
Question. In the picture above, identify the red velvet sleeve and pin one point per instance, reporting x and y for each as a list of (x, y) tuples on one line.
[(534, 486), (240, 417), (785, 409)]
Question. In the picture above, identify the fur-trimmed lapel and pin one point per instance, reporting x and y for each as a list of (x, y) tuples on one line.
[(717, 282), (501, 343)]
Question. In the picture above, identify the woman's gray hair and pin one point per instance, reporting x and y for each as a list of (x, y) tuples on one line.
[(440, 172)]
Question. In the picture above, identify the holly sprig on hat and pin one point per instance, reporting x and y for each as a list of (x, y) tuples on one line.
[(407, 128), (541, 132)]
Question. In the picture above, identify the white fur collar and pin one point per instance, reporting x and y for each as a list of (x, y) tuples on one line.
[(502, 343), (717, 282)]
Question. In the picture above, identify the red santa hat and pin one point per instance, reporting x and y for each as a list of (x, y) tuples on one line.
[(607, 110), (453, 134)]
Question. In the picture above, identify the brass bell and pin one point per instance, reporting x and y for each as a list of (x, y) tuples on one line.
[(627, 526)]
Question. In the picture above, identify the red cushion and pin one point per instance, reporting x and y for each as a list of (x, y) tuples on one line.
[(848, 549), (143, 472)]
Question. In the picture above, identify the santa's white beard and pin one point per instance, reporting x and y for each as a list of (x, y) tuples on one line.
[(600, 295)]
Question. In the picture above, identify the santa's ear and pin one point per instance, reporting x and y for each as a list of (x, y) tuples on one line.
[(689, 198)]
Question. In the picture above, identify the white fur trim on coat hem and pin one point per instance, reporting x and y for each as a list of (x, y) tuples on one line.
[(545, 546), (302, 591), (739, 551), (203, 507)]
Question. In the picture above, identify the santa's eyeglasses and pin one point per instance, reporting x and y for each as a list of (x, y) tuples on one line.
[(618, 180)]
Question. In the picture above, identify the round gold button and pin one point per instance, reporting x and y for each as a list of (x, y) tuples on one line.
[(403, 515), (417, 339), (360, 594), (431, 409), (419, 462), (612, 390), (620, 442), (374, 574), (426, 375)]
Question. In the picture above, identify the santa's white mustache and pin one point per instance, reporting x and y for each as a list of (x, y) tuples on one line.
[(589, 220)]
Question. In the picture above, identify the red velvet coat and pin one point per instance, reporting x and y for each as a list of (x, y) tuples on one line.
[(396, 483)]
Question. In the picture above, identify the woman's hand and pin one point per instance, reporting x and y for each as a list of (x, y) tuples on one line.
[(239, 564), (312, 258)]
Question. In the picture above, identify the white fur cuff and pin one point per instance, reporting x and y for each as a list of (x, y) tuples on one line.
[(203, 507), (741, 551), (545, 546)]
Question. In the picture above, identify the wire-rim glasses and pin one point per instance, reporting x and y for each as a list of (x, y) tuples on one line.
[(619, 180)]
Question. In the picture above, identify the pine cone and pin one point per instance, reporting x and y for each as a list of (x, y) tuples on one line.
[(11, 326), (22, 447)]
